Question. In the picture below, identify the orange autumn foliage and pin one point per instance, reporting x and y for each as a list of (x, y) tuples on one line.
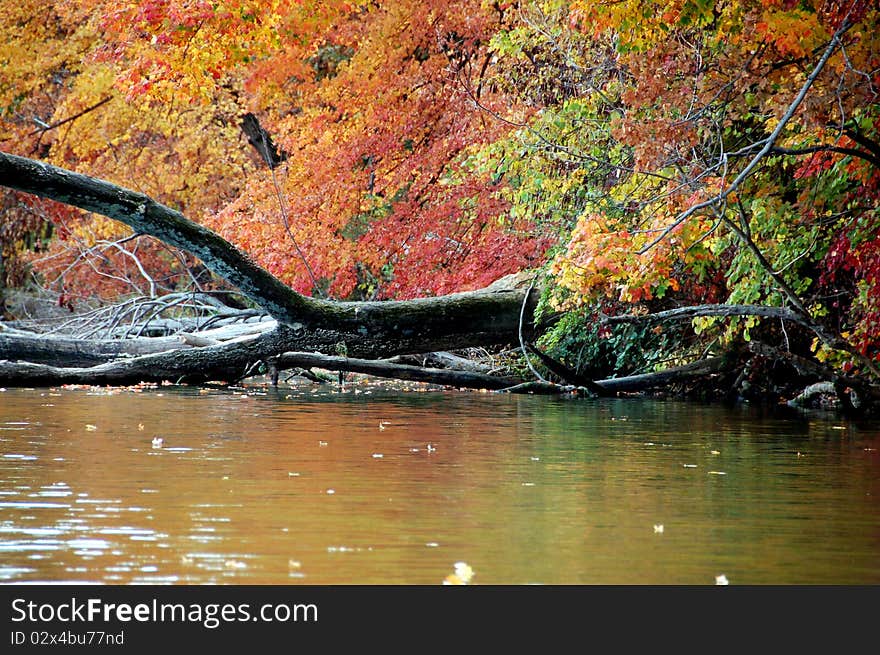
[(372, 105)]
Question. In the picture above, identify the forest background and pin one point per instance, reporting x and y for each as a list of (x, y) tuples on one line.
[(680, 178)]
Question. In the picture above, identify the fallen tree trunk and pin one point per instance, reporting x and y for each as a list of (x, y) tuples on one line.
[(66, 352), (232, 362), (487, 317), (306, 332), (227, 362), (482, 318)]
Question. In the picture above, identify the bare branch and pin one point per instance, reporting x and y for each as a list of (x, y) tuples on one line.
[(694, 311), (46, 128), (768, 143)]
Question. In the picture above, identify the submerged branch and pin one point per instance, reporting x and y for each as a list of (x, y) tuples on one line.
[(630, 383), (386, 369)]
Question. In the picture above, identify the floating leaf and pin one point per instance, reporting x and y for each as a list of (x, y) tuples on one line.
[(464, 571), (462, 575)]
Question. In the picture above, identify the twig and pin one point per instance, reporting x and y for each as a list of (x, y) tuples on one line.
[(522, 343), (46, 128), (293, 238)]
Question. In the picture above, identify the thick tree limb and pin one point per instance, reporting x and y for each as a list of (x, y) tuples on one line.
[(672, 375), (233, 360), (386, 369), (62, 351), (229, 362), (372, 329)]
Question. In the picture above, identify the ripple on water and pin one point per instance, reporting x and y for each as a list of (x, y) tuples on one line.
[(12, 572), (33, 505)]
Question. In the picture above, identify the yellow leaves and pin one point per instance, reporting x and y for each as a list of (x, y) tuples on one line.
[(793, 33), (596, 261), (97, 229), (602, 259), (169, 51)]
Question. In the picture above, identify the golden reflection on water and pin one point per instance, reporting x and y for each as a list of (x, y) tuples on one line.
[(260, 486)]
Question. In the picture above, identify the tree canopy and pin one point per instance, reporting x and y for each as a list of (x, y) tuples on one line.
[(691, 176)]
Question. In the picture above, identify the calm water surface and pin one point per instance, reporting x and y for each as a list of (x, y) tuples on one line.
[(367, 486)]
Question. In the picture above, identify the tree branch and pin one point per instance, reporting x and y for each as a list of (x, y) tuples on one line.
[(864, 141), (486, 317), (853, 152), (688, 313), (768, 143), (387, 369), (803, 319), (46, 128)]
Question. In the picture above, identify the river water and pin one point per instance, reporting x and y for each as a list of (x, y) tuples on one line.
[(307, 485)]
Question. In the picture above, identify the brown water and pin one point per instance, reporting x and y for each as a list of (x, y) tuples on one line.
[(296, 487)]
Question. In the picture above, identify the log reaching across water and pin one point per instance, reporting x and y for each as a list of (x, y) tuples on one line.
[(486, 317)]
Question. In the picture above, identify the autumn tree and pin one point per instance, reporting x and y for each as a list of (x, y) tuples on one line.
[(714, 158), (376, 199)]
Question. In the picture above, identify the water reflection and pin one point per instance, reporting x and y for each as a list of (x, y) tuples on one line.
[(306, 486)]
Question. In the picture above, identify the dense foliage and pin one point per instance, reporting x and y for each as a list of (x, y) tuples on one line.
[(650, 154)]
